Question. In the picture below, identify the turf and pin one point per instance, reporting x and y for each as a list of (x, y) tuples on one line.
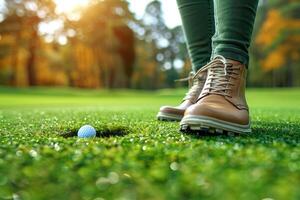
[(137, 157)]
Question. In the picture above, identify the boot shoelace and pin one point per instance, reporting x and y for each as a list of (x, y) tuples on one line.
[(194, 86), (220, 72)]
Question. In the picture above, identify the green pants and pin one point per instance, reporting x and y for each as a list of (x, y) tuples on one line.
[(217, 27)]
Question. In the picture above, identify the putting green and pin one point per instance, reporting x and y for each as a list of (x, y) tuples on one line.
[(137, 157)]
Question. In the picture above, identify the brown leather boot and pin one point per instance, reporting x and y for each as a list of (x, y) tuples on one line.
[(196, 83), (221, 105)]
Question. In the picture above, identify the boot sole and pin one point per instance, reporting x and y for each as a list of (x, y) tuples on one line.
[(211, 125), (162, 116)]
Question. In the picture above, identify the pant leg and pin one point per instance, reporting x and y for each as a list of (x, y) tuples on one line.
[(199, 27), (234, 24)]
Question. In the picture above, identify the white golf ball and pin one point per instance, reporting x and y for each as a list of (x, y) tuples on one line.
[(86, 131)]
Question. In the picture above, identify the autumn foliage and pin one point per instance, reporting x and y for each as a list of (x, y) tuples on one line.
[(280, 39), (104, 45)]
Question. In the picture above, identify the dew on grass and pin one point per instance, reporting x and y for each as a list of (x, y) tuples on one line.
[(127, 175), (33, 153), (19, 153), (16, 197), (174, 166), (113, 177), (102, 181), (57, 147)]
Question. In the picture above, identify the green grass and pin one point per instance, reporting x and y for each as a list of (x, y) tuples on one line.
[(138, 157)]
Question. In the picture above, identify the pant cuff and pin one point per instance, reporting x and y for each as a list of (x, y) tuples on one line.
[(233, 55)]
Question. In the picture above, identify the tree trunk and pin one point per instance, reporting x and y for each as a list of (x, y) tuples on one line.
[(32, 47), (15, 59), (31, 59)]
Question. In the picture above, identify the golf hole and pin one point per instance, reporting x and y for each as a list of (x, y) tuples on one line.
[(106, 132)]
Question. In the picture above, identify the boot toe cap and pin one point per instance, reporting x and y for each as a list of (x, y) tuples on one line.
[(171, 110)]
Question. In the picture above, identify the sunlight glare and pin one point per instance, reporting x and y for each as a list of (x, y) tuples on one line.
[(69, 6)]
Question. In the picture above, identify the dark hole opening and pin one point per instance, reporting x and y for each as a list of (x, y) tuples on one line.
[(107, 132)]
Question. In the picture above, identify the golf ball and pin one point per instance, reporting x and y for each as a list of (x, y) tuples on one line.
[(86, 131)]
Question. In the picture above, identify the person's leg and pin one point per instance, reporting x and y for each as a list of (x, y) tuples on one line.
[(198, 25), (221, 105), (234, 24)]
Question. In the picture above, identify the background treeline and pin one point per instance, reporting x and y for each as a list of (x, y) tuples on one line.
[(106, 46)]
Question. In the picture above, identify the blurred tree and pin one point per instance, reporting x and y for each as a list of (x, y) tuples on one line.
[(279, 38), (23, 18), (104, 28), (106, 46), (176, 51), (146, 69), (10, 32), (167, 44), (126, 50)]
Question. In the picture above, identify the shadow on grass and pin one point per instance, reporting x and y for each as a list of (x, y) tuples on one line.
[(262, 132), (103, 132)]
